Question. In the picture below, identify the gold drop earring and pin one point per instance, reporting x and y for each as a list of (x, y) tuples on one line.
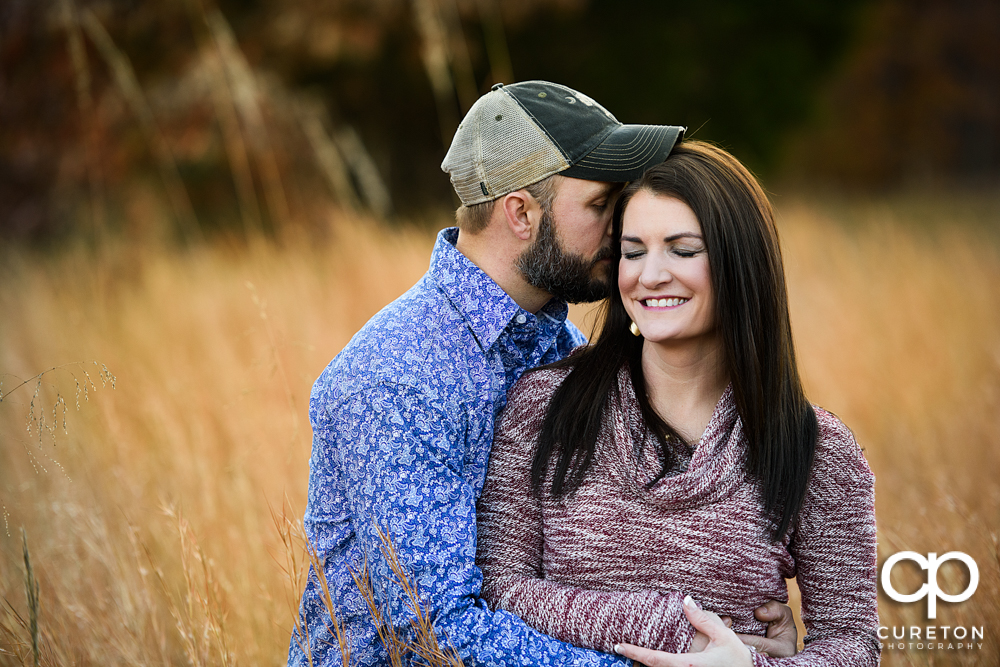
[(634, 328)]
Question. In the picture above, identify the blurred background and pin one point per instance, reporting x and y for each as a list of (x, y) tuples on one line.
[(246, 115), (202, 200)]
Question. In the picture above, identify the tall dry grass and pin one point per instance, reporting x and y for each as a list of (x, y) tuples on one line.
[(150, 517), (897, 322)]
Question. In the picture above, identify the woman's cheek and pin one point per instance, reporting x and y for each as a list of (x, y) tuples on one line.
[(626, 279)]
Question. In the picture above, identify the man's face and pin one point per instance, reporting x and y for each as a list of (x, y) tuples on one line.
[(572, 253)]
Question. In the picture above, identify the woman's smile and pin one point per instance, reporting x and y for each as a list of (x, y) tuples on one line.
[(664, 303)]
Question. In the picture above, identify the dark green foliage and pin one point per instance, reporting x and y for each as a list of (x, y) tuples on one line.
[(735, 72)]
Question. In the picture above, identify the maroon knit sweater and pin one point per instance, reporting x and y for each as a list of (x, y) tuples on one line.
[(612, 562)]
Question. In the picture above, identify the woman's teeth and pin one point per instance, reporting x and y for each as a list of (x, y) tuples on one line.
[(664, 303)]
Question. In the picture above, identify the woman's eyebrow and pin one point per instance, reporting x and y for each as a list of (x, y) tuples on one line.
[(682, 235)]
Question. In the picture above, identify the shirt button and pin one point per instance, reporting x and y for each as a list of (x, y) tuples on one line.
[(521, 319)]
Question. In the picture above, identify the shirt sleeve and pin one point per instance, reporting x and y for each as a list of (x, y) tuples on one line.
[(835, 555), (510, 551), (402, 459)]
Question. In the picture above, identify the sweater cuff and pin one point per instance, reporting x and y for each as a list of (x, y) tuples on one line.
[(674, 633), (685, 637)]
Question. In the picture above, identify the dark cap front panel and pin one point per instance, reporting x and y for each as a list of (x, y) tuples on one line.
[(574, 122)]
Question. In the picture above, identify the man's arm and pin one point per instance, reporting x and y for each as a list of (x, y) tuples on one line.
[(402, 459)]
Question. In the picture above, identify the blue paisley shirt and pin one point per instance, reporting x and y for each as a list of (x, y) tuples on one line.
[(402, 427)]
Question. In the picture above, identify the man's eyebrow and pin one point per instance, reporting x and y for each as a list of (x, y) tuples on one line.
[(607, 190), (668, 239)]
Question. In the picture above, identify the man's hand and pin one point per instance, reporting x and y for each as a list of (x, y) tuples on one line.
[(782, 637)]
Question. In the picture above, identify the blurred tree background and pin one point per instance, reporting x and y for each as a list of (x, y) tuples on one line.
[(191, 118)]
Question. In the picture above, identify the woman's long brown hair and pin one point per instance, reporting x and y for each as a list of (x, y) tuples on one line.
[(751, 313)]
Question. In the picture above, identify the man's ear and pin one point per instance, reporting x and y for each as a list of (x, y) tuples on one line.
[(522, 213)]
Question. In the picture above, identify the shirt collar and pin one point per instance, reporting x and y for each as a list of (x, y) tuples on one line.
[(484, 305)]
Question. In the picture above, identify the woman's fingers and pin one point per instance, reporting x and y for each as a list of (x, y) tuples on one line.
[(715, 656), (652, 658), (724, 648), (699, 643), (703, 621), (761, 644), (783, 647)]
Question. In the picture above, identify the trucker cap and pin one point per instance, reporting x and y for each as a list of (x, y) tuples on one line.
[(517, 135)]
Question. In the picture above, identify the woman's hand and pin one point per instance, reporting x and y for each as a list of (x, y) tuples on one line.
[(724, 648)]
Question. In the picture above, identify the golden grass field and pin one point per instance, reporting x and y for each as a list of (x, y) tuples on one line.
[(149, 509)]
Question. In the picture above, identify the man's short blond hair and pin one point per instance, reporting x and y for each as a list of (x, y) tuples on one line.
[(474, 219)]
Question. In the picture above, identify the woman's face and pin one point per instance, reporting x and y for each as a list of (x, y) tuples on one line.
[(663, 275)]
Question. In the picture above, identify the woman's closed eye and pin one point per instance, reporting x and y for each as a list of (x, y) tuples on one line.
[(686, 252), (683, 252)]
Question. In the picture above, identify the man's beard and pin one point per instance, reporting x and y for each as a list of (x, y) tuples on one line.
[(565, 276)]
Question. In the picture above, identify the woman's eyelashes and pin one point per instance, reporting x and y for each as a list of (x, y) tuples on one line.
[(678, 251)]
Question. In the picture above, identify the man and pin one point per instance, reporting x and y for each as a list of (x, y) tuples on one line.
[(403, 417)]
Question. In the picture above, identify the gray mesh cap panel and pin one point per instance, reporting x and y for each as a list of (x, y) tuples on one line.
[(498, 149)]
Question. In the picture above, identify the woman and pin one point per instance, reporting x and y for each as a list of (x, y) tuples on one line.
[(678, 456)]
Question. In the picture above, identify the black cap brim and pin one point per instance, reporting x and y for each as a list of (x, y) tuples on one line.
[(626, 153)]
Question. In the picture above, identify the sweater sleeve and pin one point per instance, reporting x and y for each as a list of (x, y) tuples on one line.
[(835, 554), (510, 546)]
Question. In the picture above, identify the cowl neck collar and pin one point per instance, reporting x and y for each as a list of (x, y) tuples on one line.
[(717, 464)]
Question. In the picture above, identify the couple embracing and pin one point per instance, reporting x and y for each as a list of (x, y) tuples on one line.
[(557, 503)]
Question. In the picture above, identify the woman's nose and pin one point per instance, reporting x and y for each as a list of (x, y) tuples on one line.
[(655, 273)]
